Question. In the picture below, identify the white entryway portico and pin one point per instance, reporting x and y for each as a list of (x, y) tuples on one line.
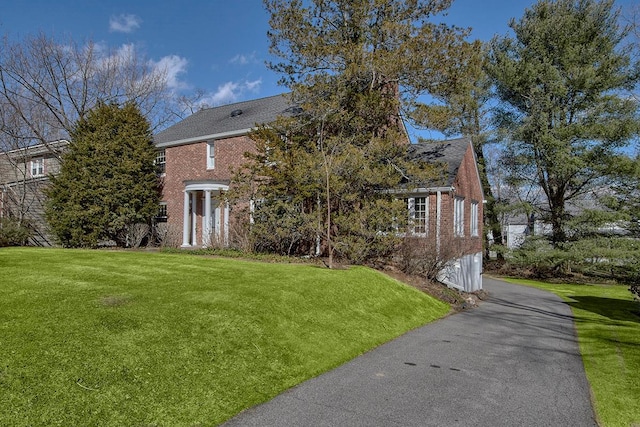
[(204, 199)]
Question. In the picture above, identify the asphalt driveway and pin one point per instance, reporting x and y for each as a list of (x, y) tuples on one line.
[(514, 361)]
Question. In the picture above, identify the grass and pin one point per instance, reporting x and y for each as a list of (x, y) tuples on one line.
[(133, 338), (608, 324)]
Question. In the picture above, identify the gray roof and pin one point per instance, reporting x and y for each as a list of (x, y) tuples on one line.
[(219, 121), (449, 153)]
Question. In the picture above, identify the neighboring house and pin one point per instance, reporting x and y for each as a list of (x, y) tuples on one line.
[(516, 227), (198, 156), (449, 210), (23, 177)]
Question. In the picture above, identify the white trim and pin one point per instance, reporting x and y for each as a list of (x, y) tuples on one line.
[(421, 190), (34, 149), (194, 218), (185, 221), (413, 221), (36, 167), (206, 220), (205, 185), (204, 138), (226, 223)]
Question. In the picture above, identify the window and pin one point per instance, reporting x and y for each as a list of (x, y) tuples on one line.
[(458, 216), (37, 167), (162, 212), (161, 162), (418, 215), (211, 155), (474, 219)]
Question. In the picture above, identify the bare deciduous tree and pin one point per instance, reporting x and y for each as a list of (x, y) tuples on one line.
[(47, 85)]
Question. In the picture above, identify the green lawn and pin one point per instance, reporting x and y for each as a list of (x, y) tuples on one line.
[(608, 324), (134, 338)]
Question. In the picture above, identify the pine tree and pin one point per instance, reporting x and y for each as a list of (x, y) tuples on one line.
[(353, 67), (562, 80), (107, 181)]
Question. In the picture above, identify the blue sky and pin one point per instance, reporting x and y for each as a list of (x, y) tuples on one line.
[(218, 46)]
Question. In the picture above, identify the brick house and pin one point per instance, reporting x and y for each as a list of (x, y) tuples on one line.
[(448, 211), (197, 157)]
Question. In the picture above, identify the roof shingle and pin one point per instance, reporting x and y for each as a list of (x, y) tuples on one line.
[(219, 120), (450, 153)]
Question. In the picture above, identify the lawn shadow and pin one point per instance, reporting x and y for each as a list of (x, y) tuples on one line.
[(611, 308)]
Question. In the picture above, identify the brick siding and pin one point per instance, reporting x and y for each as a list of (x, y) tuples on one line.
[(189, 163)]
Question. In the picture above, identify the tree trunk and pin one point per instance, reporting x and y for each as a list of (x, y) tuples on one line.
[(490, 216), (558, 235)]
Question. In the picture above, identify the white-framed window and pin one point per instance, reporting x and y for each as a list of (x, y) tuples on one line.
[(458, 216), (211, 155), (161, 162), (37, 167), (418, 215), (474, 219)]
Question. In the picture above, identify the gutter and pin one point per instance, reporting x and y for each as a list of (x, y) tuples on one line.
[(214, 136)]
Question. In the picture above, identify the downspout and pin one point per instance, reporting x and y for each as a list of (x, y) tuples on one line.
[(438, 219), (442, 278)]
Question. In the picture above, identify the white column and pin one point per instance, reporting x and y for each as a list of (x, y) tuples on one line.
[(226, 224), (206, 230), (217, 221), (185, 220), (194, 216)]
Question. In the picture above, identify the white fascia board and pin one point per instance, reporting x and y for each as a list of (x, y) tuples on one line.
[(38, 148), (422, 190), (431, 190), (214, 136)]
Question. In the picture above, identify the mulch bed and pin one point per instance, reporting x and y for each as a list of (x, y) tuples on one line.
[(458, 300)]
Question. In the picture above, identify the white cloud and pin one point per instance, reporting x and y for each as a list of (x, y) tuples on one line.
[(253, 86), (107, 58), (124, 23), (241, 59), (172, 66), (126, 51), (225, 94), (230, 92)]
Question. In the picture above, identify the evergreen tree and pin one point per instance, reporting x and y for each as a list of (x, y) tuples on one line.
[(107, 181), (321, 180), (561, 80), (353, 67)]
